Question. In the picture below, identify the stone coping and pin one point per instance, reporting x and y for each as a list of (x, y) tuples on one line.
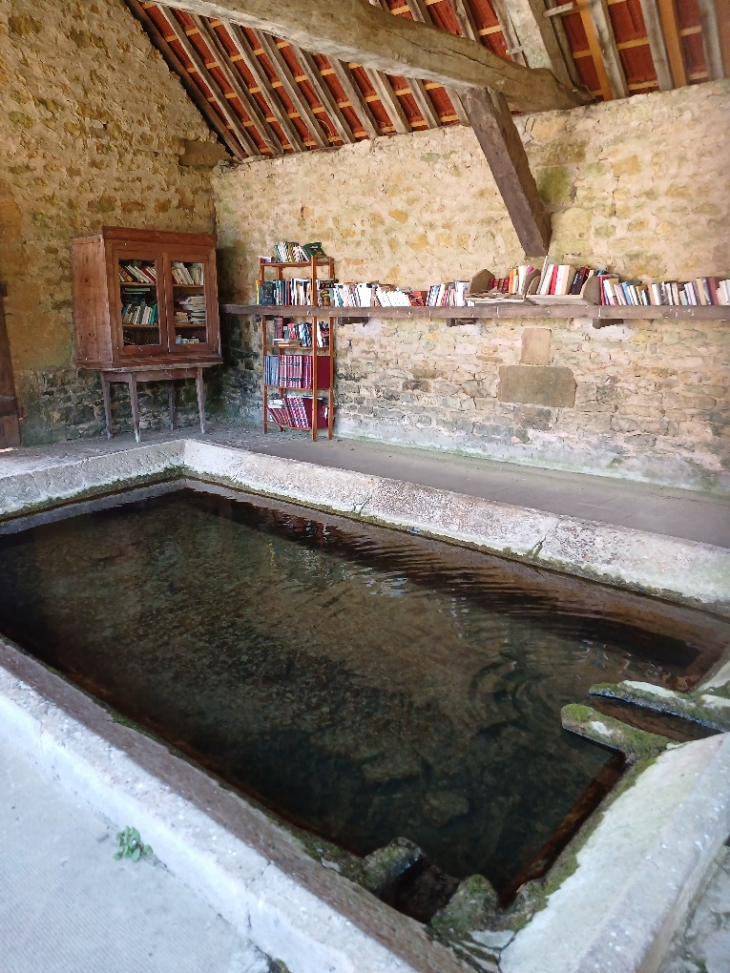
[(667, 567), (641, 860)]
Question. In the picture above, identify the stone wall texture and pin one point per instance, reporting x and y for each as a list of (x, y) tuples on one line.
[(640, 186), (91, 127)]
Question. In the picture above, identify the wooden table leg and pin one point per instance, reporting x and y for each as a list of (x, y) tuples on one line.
[(201, 398), (132, 381), (107, 394), (171, 400)]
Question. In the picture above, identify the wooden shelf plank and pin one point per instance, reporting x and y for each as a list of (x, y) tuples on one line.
[(491, 311)]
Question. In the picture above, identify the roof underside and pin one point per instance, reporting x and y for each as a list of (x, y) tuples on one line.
[(267, 97)]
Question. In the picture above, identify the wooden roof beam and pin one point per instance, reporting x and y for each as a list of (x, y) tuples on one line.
[(268, 45), (677, 66), (497, 134), (220, 99), (711, 39), (538, 38), (235, 80), (350, 30), (419, 11), (176, 65), (354, 96), (597, 11), (657, 46), (328, 100), (244, 49), (418, 91)]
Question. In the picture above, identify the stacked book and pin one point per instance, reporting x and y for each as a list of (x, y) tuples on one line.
[(137, 273), (703, 291), (195, 308), (289, 252), (187, 274)]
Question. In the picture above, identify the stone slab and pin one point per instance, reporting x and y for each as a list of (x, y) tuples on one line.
[(637, 872), (537, 385)]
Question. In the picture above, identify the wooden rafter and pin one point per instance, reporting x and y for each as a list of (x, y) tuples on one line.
[(302, 106), (497, 134), (388, 100), (668, 15), (417, 87), (354, 95), (657, 44), (538, 39), (232, 119), (354, 31), (723, 24), (595, 49), (421, 12), (598, 12), (514, 48), (176, 65), (319, 86), (235, 80), (711, 39), (278, 112)]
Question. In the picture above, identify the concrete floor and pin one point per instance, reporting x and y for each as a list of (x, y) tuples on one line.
[(66, 906), (641, 506)]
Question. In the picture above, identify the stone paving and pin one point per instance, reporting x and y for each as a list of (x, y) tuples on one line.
[(703, 944)]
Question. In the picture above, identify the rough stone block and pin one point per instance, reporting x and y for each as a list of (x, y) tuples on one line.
[(536, 385), (198, 153), (536, 346)]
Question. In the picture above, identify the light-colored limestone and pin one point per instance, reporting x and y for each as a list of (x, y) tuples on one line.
[(92, 123), (640, 186)]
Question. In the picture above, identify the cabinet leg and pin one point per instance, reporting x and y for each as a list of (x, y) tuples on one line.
[(201, 398), (135, 405), (171, 401), (107, 394)]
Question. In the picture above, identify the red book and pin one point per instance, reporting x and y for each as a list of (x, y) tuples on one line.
[(713, 284), (554, 278)]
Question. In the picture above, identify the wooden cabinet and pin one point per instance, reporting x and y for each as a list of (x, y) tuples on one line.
[(145, 310), (145, 297)]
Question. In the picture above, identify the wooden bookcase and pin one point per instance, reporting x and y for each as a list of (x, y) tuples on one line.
[(323, 358), (145, 309)]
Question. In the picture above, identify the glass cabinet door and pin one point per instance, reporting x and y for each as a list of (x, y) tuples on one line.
[(189, 324), (139, 303)]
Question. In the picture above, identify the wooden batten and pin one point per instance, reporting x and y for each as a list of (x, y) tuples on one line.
[(657, 45), (353, 31)]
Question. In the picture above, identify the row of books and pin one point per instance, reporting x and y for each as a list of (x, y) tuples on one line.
[(296, 411), (295, 291), (290, 252), (698, 292), (138, 312), (560, 280), (186, 273), (288, 371), (137, 272)]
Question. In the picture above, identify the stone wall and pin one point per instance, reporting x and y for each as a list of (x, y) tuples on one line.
[(91, 127), (639, 185)]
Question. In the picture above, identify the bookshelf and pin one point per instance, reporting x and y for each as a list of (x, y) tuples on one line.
[(145, 309), (602, 315), (298, 375)]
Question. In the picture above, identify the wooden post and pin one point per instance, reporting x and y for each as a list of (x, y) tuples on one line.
[(495, 129), (107, 395), (132, 383), (200, 387)]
